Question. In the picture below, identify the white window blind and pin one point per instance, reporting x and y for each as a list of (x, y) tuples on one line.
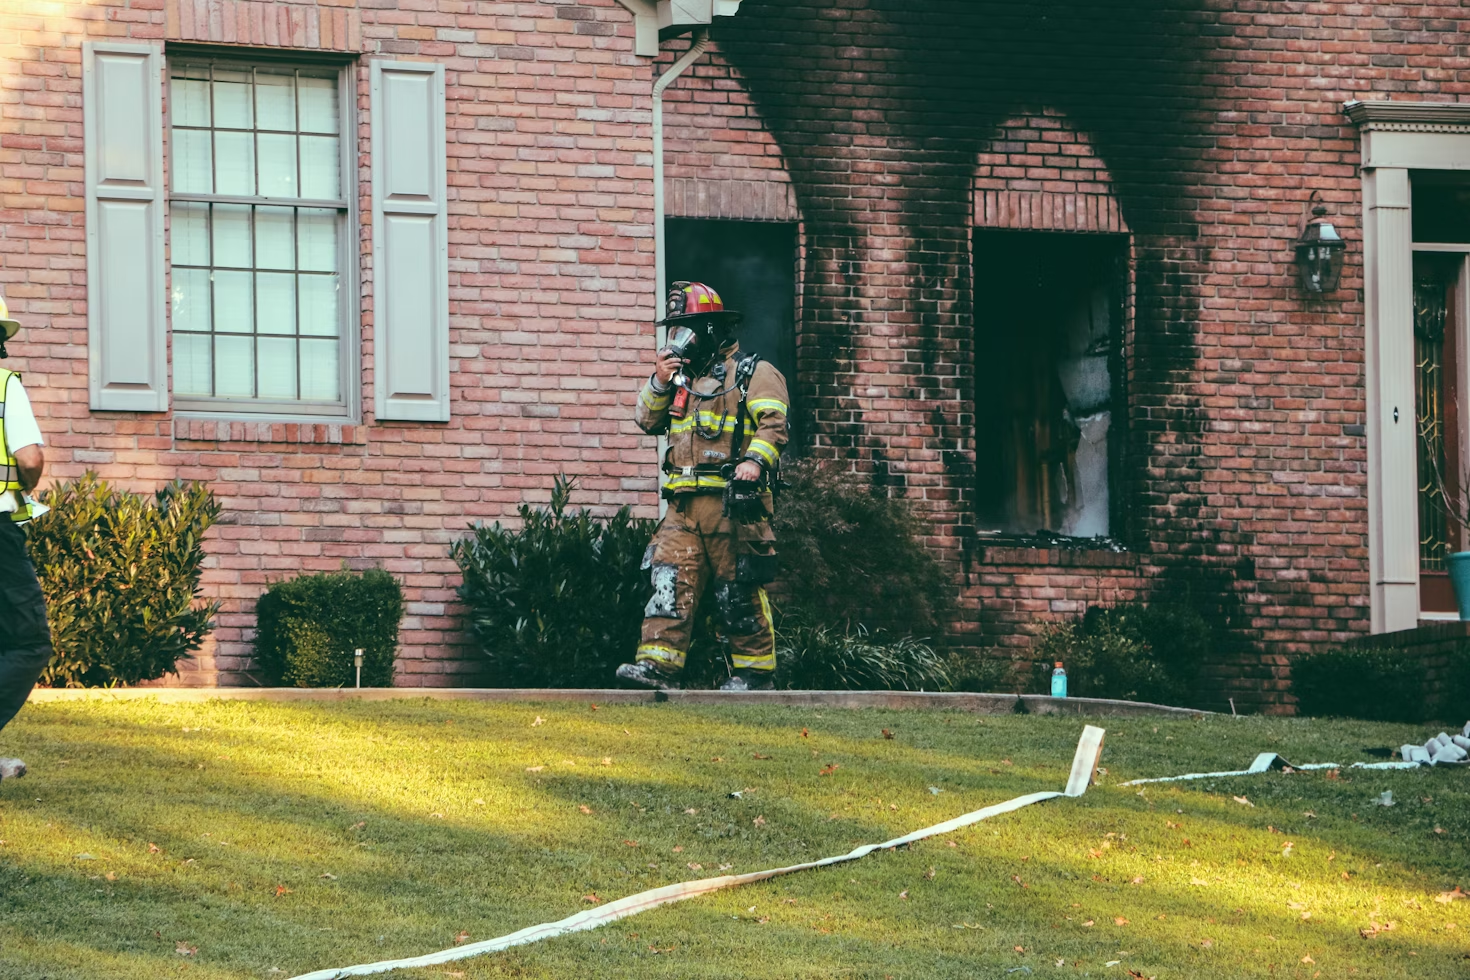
[(257, 236)]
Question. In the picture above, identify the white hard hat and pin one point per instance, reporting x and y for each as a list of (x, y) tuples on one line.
[(11, 326)]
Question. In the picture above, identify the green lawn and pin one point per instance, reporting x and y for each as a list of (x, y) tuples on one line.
[(247, 839)]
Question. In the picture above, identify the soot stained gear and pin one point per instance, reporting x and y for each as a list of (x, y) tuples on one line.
[(697, 542), (702, 547)]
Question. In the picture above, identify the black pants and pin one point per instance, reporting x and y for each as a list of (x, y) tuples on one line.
[(25, 640)]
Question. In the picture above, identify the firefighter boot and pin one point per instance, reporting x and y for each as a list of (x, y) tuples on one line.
[(646, 674), (749, 680)]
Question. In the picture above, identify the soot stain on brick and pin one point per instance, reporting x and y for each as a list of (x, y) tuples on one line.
[(881, 115)]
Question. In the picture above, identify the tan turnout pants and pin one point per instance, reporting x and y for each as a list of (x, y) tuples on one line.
[(694, 548)]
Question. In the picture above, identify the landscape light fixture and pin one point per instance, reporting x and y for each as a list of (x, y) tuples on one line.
[(1319, 253), (357, 662)]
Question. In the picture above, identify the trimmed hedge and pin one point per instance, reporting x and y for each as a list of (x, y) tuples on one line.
[(308, 627), (120, 572), (558, 601), (1376, 685)]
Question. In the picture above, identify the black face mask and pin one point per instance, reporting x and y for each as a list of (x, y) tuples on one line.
[(699, 344)]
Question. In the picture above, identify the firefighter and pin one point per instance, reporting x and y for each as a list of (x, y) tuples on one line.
[(724, 412), (25, 640)]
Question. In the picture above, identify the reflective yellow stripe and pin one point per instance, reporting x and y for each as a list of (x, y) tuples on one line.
[(764, 450), (696, 481), (654, 400), (707, 421), (764, 661), (767, 405), (662, 654)]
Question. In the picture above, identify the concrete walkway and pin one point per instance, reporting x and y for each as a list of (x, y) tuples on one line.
[(983, 704)]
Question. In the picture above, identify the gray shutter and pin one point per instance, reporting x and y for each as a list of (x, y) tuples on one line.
[(122, 111), (410, 243)]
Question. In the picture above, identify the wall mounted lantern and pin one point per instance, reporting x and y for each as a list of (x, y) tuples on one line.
[(1319, 253)]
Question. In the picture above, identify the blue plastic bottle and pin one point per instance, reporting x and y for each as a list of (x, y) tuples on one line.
[(1058, 681)]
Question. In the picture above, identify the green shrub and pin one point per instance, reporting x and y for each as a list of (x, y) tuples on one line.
[(308, 627), (988, 672), (120, 572), (1131, 651), (851, 558), (558, 601), (821, 658), (1375, 685)]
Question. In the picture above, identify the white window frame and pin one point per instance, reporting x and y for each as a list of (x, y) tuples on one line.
[(348, 409)]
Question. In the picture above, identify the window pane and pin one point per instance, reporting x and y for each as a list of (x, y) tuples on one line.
[(188, 234), (275, 101), (233, 309), (234, 367), (316, 230), (234, 163), (232, 235), (319, 167), (319, 375), (232, 99), (273, 238), (191, 364), (318, 104), (275, 302), (277, 367), (319, 305), (188, 102), (277, 165), (193, 164), (190, 300)]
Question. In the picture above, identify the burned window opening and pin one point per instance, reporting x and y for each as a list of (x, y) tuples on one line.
[(1048, 329)]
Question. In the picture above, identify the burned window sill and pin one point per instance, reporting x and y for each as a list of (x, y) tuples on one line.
[(1056, 551)]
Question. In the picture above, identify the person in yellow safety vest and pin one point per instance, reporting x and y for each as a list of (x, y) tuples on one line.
[(25, 640), (724, 413)]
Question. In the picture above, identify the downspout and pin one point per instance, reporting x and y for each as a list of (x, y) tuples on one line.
[(660, 260)]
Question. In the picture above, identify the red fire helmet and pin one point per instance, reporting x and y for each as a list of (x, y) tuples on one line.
[(694, 300)]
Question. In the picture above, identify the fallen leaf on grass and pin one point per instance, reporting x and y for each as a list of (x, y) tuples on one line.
[(1242, 799), (1112, 962), (726, 867), (693, 866), (1088, 924), (607, 760), (1137, 881), (154, 849), (1017, 880), (1207, 943), (759, 821), (631, 843), (1019, 949), (691, 811), (1198, 881), (904, 894), (591, 899), (184, 949), (887, 733), (804, 733), (1374, 929), (539, 721), (1138, 976), (829, 769), (757, 755), (678, 848), (327, 875), (584, 808), (594, 707), (1308, 959), (477, 801), (534, 768), (929, 875), (1119, 921), (1334, 774), (1445, 898), (460, 937), (282, 890)]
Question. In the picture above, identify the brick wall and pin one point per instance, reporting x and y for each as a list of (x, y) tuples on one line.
[(550, 237), (883, 126), (1201, 129)]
